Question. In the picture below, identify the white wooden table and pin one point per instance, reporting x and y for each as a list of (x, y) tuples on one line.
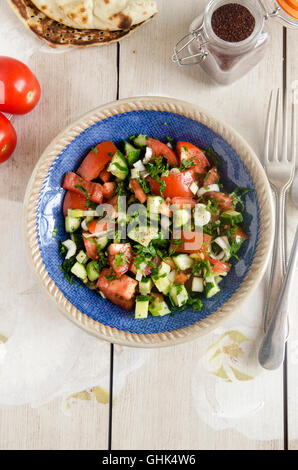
[(154, 410)]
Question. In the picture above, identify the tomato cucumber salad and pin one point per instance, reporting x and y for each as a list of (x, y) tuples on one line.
[(150, 225)]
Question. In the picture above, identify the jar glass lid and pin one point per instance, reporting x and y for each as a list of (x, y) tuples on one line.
[(290, 7)]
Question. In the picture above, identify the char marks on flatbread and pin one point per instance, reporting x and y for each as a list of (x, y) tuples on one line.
[(59, 35), (106, 15)]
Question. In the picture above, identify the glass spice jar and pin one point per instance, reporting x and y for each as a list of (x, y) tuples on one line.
[(230, 38)]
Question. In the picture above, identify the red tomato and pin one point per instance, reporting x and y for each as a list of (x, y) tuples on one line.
[(183, 202), (8, 138), (186, 151), (225, 202), (240, 233), (90, 246), (137, 189), (212, 177), (21, 87), (75, 183), (192, 242), (96, 226), (177, 184), (119, 291), (105, 175), (181, 278), (108, 190), (218, 267), (160, 149), (120, 257), (95, 162), (147, 269), (73, 201)]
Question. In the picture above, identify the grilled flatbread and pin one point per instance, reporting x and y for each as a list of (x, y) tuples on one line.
[(106, 15), (58, 35)]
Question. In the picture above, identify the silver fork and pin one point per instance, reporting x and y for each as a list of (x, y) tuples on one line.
[(280, 169)]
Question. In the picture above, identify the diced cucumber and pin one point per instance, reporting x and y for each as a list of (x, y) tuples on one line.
[(78, 239), (135, 173), (183, 262), (71, 248), (154, 203), (201, 215), (143, 235), (197, 284), (159, 309), (132, 154), (75, 213), (142, 307), (211, 289), (145, 286), (82, 257), (163, 284), (231, 217), (164, 268), (181, 217), (118, 166), (81, 213), (141, 141), (72, 224), (92, 271), (161, 279), (178, 295), (79, 270), (102, 242)]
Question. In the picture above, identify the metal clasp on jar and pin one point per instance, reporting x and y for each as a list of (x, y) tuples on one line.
[(184, 44)]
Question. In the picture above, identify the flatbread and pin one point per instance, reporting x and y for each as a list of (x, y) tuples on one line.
[(106, 15), (58, 35)]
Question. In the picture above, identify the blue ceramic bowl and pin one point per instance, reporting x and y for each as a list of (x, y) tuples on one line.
[(48, 217)]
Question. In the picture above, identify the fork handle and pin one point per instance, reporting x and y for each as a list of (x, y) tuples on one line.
[(271, 353), (278, 264)]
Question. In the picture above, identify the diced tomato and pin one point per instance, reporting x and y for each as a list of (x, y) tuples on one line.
[(108, 190), (183, 202), (119, 291), (137, 189), (96, 226), (192, 242), (159, 149), (225, 202), (212, 177), (177, 184), (186, 151), (95, 162), (147, 269), (120, 257), (181, 278), (165, 209), (105, 175), (218, 267), (240, 233), (73, 201), (90, 246), (78, 185)]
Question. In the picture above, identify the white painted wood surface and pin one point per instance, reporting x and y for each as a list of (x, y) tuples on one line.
[(292, 83), (66, 96), (155, 409)]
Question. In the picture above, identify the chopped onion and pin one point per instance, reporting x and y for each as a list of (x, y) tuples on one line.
[(194, 188), (71, 248), (139, 165), (148, 155), (206, 189)]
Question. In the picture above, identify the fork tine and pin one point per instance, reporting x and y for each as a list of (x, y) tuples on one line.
[(284, 150), (293, 132), (276, 127), (267, 130)]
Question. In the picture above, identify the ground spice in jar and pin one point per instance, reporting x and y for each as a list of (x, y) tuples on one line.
[(233, 22)]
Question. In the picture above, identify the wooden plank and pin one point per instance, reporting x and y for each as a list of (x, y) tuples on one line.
[(66, 96), (292, 83), (160, 407)]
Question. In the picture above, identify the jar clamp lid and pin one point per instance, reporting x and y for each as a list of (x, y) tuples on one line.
[(285, 10)]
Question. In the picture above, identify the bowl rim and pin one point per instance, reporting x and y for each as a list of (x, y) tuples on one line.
[(256, 270)]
